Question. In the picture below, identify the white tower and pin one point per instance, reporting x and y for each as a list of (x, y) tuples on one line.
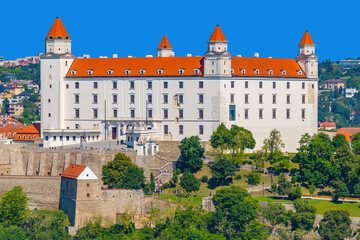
[(164, 49), (55, 63), (307, 59), (217, 61)]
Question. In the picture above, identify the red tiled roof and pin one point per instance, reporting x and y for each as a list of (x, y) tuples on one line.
[(171, 67), (164, 42), (217, 35), (73, 171), (334, 81), (306, 39), (348, 132), (58, 30), (326, 124)]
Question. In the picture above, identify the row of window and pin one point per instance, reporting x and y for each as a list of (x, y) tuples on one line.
[(73, 138), (274, 98), (232, 84), (24, 136), (181, 129), (232, 113)]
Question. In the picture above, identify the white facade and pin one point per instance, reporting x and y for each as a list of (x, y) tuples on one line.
[(103, 107)]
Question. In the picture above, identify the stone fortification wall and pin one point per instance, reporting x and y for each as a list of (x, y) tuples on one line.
[(43, 192), (172, 146)]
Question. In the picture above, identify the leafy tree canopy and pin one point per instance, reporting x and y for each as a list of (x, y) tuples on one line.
[(192, 154), (189, 182), (222, 169), (335, 225), (13, 206)]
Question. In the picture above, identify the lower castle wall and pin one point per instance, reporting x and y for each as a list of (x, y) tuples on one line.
[(43, 192)]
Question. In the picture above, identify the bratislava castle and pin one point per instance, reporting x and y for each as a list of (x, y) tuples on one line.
[(168, 98)]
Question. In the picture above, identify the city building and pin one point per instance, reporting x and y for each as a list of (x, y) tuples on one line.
[(170, 98), (334, 84), (350, 92), (21, 62), (348, 133), (347, 64), (327, 125), (27, 134), (14, 87), (16, 109)]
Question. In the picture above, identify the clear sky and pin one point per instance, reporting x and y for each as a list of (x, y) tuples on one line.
[(102, 27)]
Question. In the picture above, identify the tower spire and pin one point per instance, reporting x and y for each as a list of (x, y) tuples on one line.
[(307, 59), (306, 39), (164, 49), (58, 40), (58, 30), (217, 35)]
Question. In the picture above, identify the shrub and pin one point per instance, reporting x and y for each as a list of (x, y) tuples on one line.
[(204, 178), (312, 189), (165, 186), (295, 193), (293, 179), (237, 177)]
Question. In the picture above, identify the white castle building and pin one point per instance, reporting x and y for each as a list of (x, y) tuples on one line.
[(168, 98)]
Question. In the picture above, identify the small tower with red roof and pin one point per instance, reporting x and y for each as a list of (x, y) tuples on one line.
[(217, 61), (164, 49), (307, 59), (58, 40)]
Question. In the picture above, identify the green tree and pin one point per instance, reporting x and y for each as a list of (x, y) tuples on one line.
[(113, 170), (339, 140), (335, 225), (189, 182), (192, 154), (220, 139), (222, 169), (152, 183), (273, 142), (241, 139), (235, 212), (340, 191), (276, 214), (253, 178), (13, 207), (355, 143), (13, 233), (5, 106), (283, 186), (132, 178), (304, 217)]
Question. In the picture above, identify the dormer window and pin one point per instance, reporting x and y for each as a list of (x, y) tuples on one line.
[(160, 71), (90, 72), (142, 71), (73, 72), (110, 71), (196, 71), (127, 71), (299, 72), (51, 37), (242, 71), (283, 72), (232, 71), (181, 71), (270, 71), (257, 71)]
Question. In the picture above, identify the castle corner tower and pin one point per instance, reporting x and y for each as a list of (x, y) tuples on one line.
[(217, 61), (58, 40), (307, 59)]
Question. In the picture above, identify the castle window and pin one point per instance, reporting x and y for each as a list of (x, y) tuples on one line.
[(165, 84), (88, 185), (115, 113), (95, 85), (181, 113), (76, 85), (303, 85), (201, 114), (74, 138), (260, 114), (246, 84), (114, 98), (274, 113), (165, 98), (132, 113), (166, 114), (196, 71), (201, 98), (232, 98), (149, 98), (201, 129), (257, 71), (132, 85), (287, 113), (260, 84), (132, 98), (246, 113), (77, 98), (73, 72), (110, 71), (114, 85), (270, 71), (274, 84), (181, 129), (49, 115), (67, 138), (150, 113), (127, 71), (246, 98), (283, 72), (201, 84), (54, 138), (46, 138), (181, 71), (181, 98), (288, 85), (77, 126), (88, 194), (288, 99), (160, 71), (232, 112), (232, 71), (242, 71), (149, 85), (303, 97), (142, 71), (166, 129), (95, 114), (90, 72), (67, 86), (77, 113), (232, 83), (274, 98), (181, 84), (299, 72), (303, 113)]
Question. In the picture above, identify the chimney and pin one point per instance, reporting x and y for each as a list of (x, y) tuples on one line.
[(239, 55), (256, 54), (129, 56), (114, 55), (149, 56), (188, 55)]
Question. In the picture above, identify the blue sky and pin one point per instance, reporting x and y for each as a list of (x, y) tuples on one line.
[(101, 28)]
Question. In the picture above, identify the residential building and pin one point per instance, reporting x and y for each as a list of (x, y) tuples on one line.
[(348, 133), (350, 92), (169, 98), (347, 64), (327, 125), (14, 87), (16, 109), (334, 84)]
